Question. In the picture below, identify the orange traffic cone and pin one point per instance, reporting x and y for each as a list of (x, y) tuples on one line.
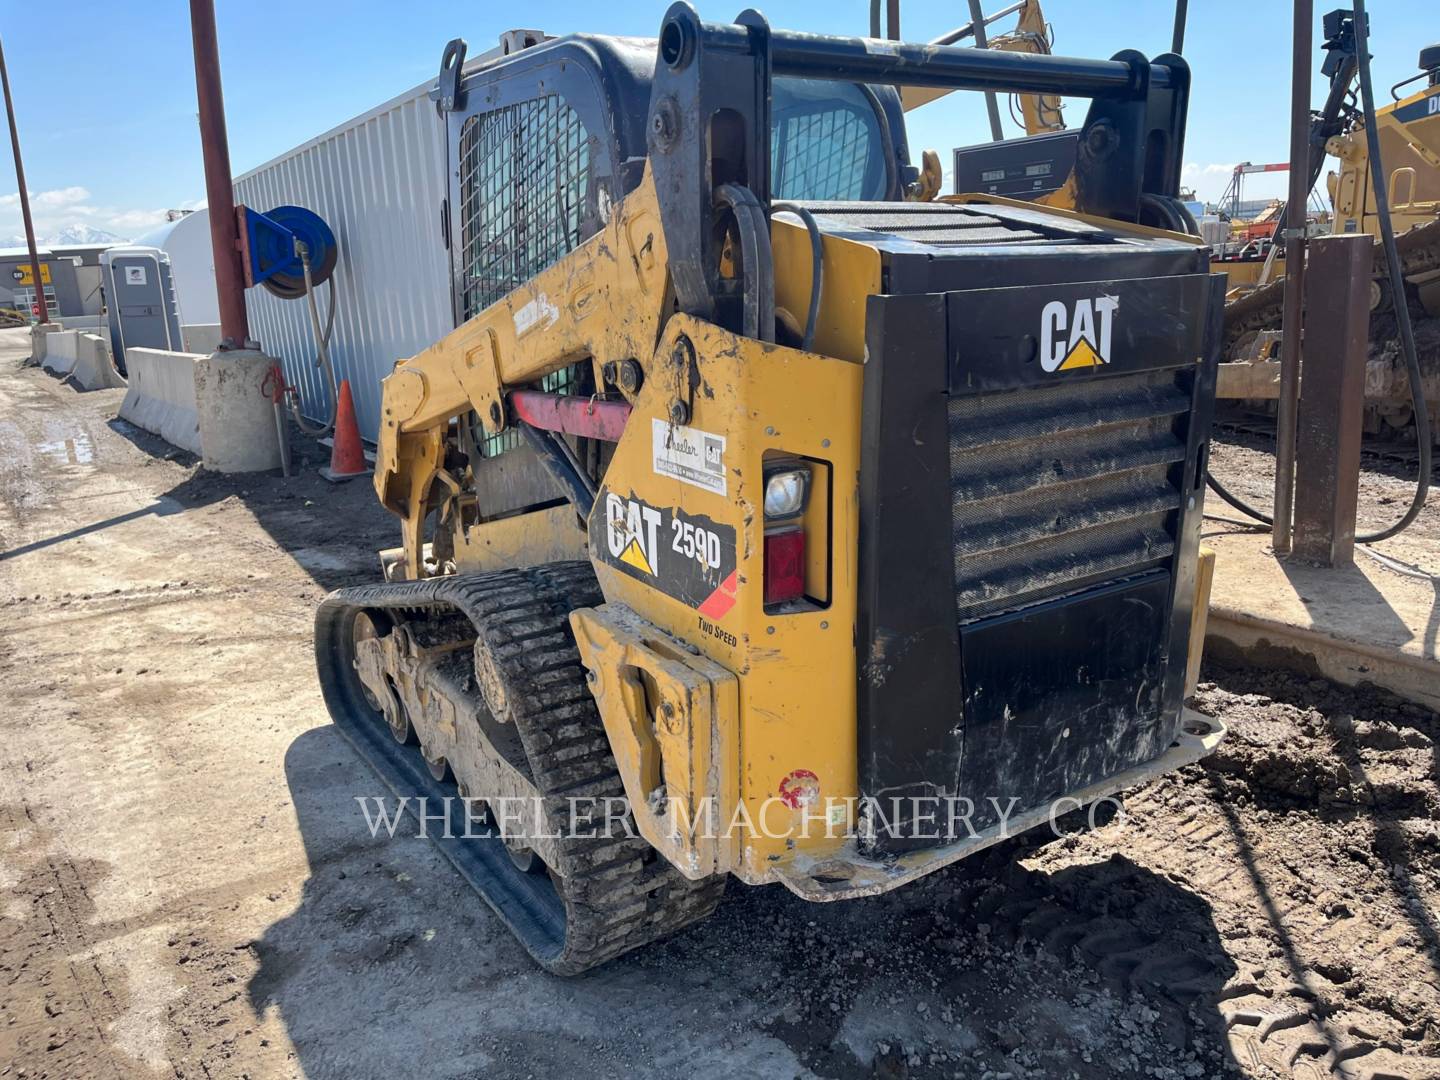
[(347, 456)]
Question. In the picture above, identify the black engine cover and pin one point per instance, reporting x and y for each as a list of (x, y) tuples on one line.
[(1030, 501)]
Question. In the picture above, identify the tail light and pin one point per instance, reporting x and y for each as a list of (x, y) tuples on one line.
[(784, 564), (787, 486)]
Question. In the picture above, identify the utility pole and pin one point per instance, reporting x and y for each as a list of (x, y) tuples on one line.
[(40, 304), (219, 194)]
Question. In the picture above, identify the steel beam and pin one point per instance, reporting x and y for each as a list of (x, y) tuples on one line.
[(853, 59), (1291, 343), (1327, 451), (1177, 39), (962, 32), (992, 106)]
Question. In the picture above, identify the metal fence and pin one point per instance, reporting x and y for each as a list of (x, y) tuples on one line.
[(379, 182)]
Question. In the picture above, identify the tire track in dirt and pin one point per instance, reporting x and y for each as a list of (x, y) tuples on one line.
[(1312, 835)]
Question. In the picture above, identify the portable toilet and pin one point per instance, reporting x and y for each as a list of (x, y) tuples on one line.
[(139, 300)]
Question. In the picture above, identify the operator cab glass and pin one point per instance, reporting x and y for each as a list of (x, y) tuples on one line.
[(825, 142)]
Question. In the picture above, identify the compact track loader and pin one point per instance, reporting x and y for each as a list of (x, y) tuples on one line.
[(759, 521)]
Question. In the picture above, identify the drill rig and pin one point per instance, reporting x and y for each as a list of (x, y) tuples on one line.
[(833, 536)]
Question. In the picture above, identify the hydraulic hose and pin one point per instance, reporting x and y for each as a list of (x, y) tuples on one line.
[(1397, 284), (887, 144), (1402, 308), (1237, 502), (817, 266), (322, 349), (757, 264)]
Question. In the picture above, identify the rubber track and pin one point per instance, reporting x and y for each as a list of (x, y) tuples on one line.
[(618, 892), (1418, 248)]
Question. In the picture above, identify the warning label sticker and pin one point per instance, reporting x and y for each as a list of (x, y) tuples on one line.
[(689, 454), (687, 556)]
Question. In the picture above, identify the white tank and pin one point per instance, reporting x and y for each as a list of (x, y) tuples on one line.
[(192, 265)]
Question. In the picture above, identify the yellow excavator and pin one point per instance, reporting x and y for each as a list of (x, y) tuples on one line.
[(760, 520), (1039, 113), (1408, 137), (1023, 169)]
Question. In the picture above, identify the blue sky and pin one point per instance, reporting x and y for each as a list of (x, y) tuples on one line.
[(105, 91)]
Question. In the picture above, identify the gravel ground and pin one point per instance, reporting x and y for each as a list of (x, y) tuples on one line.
[(190, 890)]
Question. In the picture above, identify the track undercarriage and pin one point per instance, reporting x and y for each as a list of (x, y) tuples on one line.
[(469, 688)]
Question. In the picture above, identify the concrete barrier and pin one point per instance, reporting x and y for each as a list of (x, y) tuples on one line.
[(161, 396), (237, 420), (94, 368), (59, 358), (89, 323), (39, 341), (84, 358)]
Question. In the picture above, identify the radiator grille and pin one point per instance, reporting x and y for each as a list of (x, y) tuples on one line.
[(942, 225), (1053, 489)]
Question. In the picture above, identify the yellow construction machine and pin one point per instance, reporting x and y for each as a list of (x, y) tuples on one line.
[(1409, 138), (759, 521), (1039, 114), (1409, 130)]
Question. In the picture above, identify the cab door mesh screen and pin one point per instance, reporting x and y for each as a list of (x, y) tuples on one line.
[(524, 178)]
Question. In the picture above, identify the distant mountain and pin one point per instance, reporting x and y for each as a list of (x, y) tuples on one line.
[(84, 234), (73, 234)]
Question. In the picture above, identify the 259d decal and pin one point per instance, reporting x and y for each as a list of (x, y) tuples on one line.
[(687, 556)]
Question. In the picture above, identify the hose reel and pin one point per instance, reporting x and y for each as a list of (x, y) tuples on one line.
[(289, 251), (269, 254)]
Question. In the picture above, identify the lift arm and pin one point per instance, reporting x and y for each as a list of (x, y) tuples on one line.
[(564, 315)]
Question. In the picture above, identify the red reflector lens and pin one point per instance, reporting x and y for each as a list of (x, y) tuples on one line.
[(784, 565)]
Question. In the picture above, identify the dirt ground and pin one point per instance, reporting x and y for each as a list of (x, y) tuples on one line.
[(1245, 464), (190, 890)]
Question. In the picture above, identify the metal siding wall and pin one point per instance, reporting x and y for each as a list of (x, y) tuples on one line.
[(378, 183)]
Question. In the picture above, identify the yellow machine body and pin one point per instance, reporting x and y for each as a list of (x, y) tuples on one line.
[(745, 719), (833, 528), (1409, 131)]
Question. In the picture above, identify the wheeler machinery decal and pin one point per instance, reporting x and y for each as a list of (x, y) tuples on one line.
[(689, 454)]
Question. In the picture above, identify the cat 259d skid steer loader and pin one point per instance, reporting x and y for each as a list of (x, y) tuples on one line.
[(830, 534)]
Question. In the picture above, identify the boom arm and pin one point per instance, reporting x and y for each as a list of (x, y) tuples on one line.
[(565, 314), (1041, 112)]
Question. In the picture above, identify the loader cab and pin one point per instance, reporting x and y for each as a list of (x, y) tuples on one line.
[(543, 142)]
